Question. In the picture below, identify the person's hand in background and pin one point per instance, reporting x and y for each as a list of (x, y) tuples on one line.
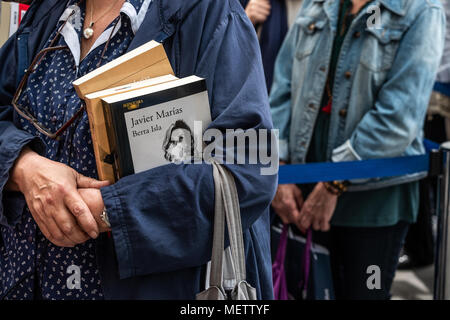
[(258, 11), (50, 190), (318, 209), (287, 203)]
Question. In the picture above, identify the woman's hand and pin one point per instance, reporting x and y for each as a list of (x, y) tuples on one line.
[(258, 11), (93, 199), (318, 209), (287, 203), (50, 190)]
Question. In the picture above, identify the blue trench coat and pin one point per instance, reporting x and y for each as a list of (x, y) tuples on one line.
[(162, 218)]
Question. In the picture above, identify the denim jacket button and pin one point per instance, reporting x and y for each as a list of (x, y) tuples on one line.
[(357, 34), (348, 74), (343, 113), (312, 106), (312, 27)]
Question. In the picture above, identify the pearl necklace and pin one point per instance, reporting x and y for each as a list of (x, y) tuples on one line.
[(89, 32)]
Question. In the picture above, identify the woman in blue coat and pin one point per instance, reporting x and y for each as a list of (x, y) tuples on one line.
[(161, 219)]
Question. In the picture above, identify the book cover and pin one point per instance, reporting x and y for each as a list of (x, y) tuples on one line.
[(152, 127), (147, 61), (97, 124), (5, 16)]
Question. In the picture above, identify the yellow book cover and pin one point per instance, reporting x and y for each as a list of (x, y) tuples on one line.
[(147, 61)]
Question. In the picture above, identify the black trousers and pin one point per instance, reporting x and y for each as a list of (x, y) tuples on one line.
[(354, 252)]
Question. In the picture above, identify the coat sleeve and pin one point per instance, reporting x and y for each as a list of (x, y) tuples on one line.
[(402, 101), (280, 95), (12, 139), (162, 218)]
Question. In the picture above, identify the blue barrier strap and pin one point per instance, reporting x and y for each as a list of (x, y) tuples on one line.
[(430, 145), (331, 171)]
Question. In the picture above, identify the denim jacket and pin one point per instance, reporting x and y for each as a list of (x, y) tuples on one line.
[(383, 81), (162, 218)]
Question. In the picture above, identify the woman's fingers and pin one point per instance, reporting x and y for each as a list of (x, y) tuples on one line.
[(61, 223), (317, 224), (69, 226), (263, 10), (56, 222), (305, 222), (325, 226), (306, 215), (52, 232), (41, 224), (51, 192), (285, 203), (299, 197), (264, 4), (57, 235), (84, 182), (258, 10), (42, 217), (81, 213)]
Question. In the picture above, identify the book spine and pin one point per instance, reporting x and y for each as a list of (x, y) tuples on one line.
[(14, 20), (94, 139), (22, 10), (112, 138)]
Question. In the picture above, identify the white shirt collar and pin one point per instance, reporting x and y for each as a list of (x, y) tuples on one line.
[(70, 34)]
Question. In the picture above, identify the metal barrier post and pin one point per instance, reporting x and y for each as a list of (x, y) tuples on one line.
[(442, 265)]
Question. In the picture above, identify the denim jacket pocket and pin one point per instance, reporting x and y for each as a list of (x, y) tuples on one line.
[(380, 48), (309, 28)]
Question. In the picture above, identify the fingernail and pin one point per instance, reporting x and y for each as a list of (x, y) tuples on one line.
[(93, 234)]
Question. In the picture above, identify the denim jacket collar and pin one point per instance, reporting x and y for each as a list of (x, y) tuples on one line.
[(396, 6)]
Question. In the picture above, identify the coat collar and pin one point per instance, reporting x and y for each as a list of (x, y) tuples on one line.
[(161, 20), (159, 23), (168, 11)]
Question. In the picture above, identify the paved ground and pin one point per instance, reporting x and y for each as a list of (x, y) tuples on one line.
[(414, 284)]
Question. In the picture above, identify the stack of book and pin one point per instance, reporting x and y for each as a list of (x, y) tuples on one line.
[(141, 116), (10, 16)]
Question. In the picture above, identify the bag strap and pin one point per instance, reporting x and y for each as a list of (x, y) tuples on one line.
[(281, 251), (219, 233), (226, 208), (306, 262), (233, 218)]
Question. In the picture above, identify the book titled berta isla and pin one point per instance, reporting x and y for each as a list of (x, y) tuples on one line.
[(144, 66), (154, 126)]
